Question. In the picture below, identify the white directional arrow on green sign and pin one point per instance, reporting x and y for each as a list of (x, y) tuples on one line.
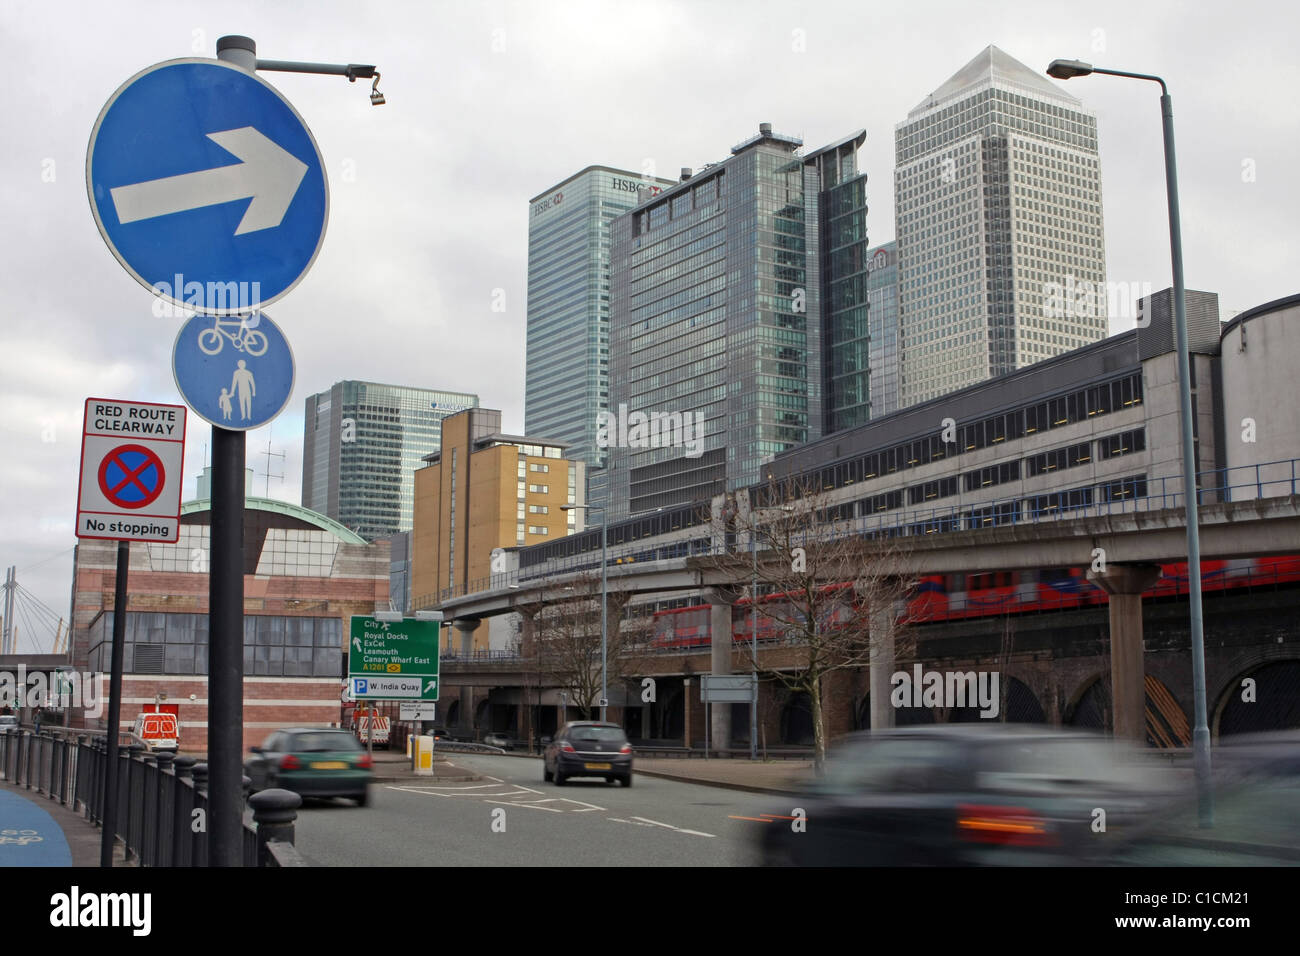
[(393, 660)]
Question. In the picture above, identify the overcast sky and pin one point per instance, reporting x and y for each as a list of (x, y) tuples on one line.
[(490, 104)]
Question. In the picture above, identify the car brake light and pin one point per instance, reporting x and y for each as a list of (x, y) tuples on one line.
[(1010, 826), (364, 762), (567, 748), (625, 749), (290, 762)]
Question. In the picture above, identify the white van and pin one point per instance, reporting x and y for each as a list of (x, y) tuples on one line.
[(158, 731)]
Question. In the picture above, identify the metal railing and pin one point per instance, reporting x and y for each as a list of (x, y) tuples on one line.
[(162, 799), (1222, 485)]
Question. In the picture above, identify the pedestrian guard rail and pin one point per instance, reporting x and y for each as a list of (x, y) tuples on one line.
[(162, 799)]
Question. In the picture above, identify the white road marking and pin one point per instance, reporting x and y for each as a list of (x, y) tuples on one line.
[(526, 806), (514, 796), (669, 826)]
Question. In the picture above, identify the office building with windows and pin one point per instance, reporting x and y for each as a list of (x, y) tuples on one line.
[(567, 365), (998, 212), (727, 288), (482, 493), (882, 324), (362, 442)]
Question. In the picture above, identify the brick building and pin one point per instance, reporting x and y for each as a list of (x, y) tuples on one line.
[(304, 576)]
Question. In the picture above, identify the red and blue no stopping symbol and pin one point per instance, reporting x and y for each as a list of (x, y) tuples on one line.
[(131, 476)]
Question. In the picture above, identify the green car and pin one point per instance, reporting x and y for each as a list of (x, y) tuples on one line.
[(312, 762)]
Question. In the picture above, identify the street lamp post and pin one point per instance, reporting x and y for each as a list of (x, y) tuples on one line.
[(604, 595), (604, 603), (753, 649), (1064, 70)]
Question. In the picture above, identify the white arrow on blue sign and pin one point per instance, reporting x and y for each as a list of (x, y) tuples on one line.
[(207, 186), (236, 372)]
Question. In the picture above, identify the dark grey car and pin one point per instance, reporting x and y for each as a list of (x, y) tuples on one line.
[(588, 748), (967, 794)]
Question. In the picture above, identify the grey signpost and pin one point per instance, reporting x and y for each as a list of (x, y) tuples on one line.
[(139, 210)]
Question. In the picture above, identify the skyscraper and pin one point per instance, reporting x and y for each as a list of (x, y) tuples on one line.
[(841, 209), (882, 317), (997, 191), (725, 287), (361, 445), (567, 372)]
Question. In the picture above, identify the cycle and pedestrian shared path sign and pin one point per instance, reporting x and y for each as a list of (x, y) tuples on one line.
[(393, 660), (236, 372)]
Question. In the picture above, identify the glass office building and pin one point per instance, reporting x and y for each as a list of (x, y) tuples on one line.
[(722, 301), (997, 189), (567, 372), (362, 443), (882, 320), (841, 208)]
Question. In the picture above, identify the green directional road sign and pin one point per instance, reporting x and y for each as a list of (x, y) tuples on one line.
[(393, 660)]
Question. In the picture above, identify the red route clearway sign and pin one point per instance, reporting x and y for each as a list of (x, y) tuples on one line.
[(132, 454)]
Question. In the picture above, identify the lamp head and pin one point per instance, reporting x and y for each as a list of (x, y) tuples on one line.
[(1068, 69)]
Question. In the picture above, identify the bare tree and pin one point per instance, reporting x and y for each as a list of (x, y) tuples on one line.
[(567, 641), (829, 595)]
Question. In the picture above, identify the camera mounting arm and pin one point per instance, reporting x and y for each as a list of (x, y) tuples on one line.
[(246, 56)]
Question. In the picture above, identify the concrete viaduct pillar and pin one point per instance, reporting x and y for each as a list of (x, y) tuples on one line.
[(1125, 584), (524, 729), (720, 626), (467, 626)]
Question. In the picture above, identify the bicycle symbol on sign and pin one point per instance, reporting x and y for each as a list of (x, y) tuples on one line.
[(241, 333)]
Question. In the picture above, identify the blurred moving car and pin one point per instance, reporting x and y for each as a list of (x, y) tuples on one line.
[(1256, 821), (588, 748), (312, 762), (504, 741), (9, 722), (969, 794)]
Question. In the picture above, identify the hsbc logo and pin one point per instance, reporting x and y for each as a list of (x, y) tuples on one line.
[(632, 185), (548, 203)]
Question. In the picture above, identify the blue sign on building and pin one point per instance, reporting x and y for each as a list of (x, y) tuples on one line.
[(207, 186), (236, 372)]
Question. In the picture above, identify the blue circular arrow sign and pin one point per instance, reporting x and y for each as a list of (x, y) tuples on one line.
[(207, 186), (236, 372)]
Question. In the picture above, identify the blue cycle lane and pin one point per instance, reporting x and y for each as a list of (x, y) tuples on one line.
[(28, 835)]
